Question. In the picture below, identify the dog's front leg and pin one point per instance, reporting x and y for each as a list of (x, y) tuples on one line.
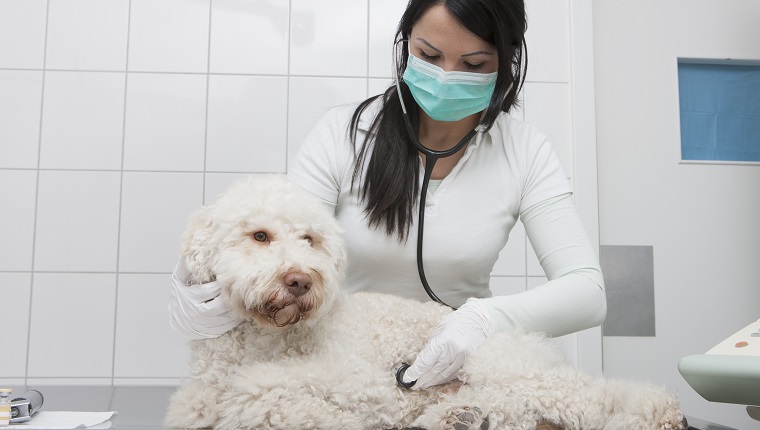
[(193, 406)]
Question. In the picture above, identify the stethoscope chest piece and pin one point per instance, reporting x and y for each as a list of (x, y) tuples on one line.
[(400, 377)]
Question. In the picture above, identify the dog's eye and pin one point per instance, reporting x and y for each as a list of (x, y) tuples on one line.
[(308, 239), (260, 236)]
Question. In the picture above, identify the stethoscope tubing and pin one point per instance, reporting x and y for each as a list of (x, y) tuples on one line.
[(431, 157)]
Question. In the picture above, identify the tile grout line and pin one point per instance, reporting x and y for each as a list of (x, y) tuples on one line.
[(164, 72), (84, 272), (50, 169), (121, 196), (287, 85), (205, 119), (258, 75), (369, 22), (37, 199)]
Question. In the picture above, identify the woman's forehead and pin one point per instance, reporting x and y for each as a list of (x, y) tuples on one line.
[(439, 28)]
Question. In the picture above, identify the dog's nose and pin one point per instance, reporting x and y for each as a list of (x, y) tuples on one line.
[(298, 283)]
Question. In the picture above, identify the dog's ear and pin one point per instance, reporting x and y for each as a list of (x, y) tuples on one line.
[(197, 246), (336, 247), (341, 257)]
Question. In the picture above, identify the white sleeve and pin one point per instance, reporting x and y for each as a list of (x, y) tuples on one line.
[(574, 298)]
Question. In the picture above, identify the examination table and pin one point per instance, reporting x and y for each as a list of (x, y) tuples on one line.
[(143, 407)]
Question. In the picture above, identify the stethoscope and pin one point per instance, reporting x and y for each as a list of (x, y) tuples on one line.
[(431, 157)]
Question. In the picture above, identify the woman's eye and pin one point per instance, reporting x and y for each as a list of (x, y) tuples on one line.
[(309, 240), (427, 57), (468, 66), (260, 236), (474, 66)]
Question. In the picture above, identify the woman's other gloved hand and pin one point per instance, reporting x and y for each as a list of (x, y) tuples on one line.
[(458, 335), (199, 311)]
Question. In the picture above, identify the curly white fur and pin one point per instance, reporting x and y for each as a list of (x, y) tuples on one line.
[(312, 357)]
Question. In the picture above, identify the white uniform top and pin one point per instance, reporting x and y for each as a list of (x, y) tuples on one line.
[(468, 218)]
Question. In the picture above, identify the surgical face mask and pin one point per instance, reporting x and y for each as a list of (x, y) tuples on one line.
[(448, 96)]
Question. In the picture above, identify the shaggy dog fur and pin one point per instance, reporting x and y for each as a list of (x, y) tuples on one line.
[(312, 357)]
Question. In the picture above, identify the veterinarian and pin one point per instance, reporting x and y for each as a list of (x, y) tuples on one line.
[(460, 66)]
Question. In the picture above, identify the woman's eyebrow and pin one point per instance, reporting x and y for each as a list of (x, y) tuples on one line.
[(463, 55), (428, 44), (477, 53)]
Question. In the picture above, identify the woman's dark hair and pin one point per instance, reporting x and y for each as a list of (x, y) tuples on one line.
[(389, 188)]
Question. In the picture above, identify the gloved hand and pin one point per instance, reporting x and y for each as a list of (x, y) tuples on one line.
[(199, 311), (458, 335)]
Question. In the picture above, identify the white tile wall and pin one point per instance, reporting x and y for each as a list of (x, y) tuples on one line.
[(216, 183), (244, 32), (311, 97), (169, 35), (506, 285), (118, 118), (320, 47), (165, 122), (22, 33), (383, 23), (548, 39), (247, 123), (20, 112), (377, 86), (142, 325), (87, 34), (18, 192), (77, 221), (14, 307), (82, 120), (71, 334), (155, 207)]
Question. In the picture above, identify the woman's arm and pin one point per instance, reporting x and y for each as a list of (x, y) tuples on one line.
[(574, 298), (571, 301)]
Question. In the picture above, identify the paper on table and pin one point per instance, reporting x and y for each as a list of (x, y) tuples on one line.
[(64, 420)]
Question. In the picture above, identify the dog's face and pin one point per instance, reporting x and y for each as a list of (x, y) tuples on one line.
[(274, 248)]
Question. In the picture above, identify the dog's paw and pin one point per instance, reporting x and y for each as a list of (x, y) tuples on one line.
[(466, 419), (662, 419), (192, 407), (672, 420)]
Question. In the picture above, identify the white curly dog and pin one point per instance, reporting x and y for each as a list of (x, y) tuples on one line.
[(312, 357)]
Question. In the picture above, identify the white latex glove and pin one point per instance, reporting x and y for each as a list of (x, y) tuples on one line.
[(458, 335), (199, 311)]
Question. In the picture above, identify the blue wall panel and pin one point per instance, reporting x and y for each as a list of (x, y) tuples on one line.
[(720, 111)]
